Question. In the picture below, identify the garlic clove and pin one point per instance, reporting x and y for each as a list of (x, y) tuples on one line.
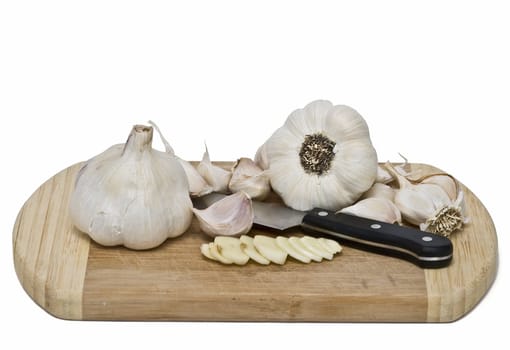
[(331, 246), (379, 190), (375, 208), (314, 246), (197, 185), (218, 178), (230, 248), (298, 244), (230, 216), (248, 177), (268, 248), (249, 249), (283, 243)]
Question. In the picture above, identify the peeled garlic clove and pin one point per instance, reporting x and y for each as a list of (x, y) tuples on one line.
[(283, 243), (218, 178), (249, 249), (445, 181), (268, 248), (297, 244), (379, 190), (248, 177), (230, 216), (314, 246), (375, 208), (230, 248)]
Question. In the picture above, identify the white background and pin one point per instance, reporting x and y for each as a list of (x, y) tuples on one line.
[(431, 79)]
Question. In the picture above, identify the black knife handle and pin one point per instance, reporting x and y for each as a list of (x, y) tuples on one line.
[(423, 248)]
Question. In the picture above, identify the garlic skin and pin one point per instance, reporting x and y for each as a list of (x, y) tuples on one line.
[(218, 178), (428, 206), (132, 195), (321, 157), (230, 216), (445, 181), (249, 178), (375, 208)]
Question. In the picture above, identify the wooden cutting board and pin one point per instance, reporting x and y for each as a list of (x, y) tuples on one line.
[(71, 277)]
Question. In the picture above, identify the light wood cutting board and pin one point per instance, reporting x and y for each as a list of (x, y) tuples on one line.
[(71, 277)]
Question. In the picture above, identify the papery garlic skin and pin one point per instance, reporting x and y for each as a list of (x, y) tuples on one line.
[(379, 190), (197, 185), (249, 178), (132, 195), (321, 157), (230, 216), (380, 209)]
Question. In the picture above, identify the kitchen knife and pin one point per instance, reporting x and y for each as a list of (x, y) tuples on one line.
[(423, 248)]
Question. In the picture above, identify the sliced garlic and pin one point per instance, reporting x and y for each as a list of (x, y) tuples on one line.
[(331, 246), (230, 248), (248, 177), (268, 248), (230, 216), (314, 246), (215, 253), (218, 178), (375, 208), (204, 249), (298, 245), (283, 243), (249, 249)]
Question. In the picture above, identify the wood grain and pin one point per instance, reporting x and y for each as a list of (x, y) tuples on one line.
[(72, 278)]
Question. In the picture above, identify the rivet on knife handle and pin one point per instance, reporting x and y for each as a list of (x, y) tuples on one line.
[(423, 248)]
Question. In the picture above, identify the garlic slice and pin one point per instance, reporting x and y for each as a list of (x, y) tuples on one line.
[(375, 208), (218, 178), (298, 244), (230, 216), (204, 249), (248, 177), (283, 243), (314, 246), (249, 249), (331, 246), (230, 248), (215, 253), (268, 248)]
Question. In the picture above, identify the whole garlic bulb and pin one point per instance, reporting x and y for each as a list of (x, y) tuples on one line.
[(132, 195), (321, 157)]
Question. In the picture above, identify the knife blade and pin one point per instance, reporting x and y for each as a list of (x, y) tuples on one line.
[(422, 248)]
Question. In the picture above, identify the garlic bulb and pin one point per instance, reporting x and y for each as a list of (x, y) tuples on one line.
[(249, 178), (428, 206), (321, 157), (230, 216), (132, 195), (445, 181), (218, 178), (375, 208)]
